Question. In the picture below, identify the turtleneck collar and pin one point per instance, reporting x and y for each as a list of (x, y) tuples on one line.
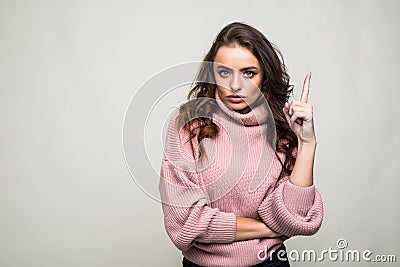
[(258, 115)]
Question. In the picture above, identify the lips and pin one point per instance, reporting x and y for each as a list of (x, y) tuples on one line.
[(234, 98)]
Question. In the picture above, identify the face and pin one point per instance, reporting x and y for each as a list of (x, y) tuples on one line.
[(238, 77)]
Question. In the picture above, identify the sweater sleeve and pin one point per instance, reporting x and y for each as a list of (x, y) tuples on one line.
[(188, 218), (292, 210)]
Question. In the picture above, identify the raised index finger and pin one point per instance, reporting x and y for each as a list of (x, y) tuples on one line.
[(306, 88)]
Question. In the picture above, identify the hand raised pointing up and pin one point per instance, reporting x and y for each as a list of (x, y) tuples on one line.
[(299, 115)]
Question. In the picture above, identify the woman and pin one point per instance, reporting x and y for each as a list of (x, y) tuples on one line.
[(237, 172)]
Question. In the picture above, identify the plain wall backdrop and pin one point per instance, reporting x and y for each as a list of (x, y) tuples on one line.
[(68, 70)]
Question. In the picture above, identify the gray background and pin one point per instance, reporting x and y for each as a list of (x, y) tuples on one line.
[(69, 69)]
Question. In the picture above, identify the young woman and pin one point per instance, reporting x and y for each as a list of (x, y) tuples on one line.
[(237, 172)]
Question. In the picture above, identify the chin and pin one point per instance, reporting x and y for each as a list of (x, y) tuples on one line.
[(237, 107)]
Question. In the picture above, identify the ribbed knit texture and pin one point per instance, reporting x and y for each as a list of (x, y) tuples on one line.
[(200, 204)]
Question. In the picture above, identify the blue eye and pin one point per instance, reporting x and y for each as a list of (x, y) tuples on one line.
[(223, 73), (249, 74)]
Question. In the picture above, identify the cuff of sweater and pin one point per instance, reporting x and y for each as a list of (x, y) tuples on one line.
[(298, 199), (275, 213), (222, 229)]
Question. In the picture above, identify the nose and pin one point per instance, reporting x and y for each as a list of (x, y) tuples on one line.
[(236, 83)]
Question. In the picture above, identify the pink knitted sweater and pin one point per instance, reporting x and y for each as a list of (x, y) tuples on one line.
[(239, 178)]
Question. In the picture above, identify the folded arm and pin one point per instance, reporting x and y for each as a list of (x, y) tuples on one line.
[(187, 215)]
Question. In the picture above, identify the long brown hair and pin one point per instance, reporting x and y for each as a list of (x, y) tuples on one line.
[(195, 116)]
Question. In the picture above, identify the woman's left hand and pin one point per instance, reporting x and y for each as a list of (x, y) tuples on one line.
[(299, 115)]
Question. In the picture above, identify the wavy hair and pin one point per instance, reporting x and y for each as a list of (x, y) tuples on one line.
[(195, 116)]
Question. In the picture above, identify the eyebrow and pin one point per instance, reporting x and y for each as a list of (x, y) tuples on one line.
[(243, 69)]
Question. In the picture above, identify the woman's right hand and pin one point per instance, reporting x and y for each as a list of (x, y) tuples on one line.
[(270, 233), (247, 228)]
